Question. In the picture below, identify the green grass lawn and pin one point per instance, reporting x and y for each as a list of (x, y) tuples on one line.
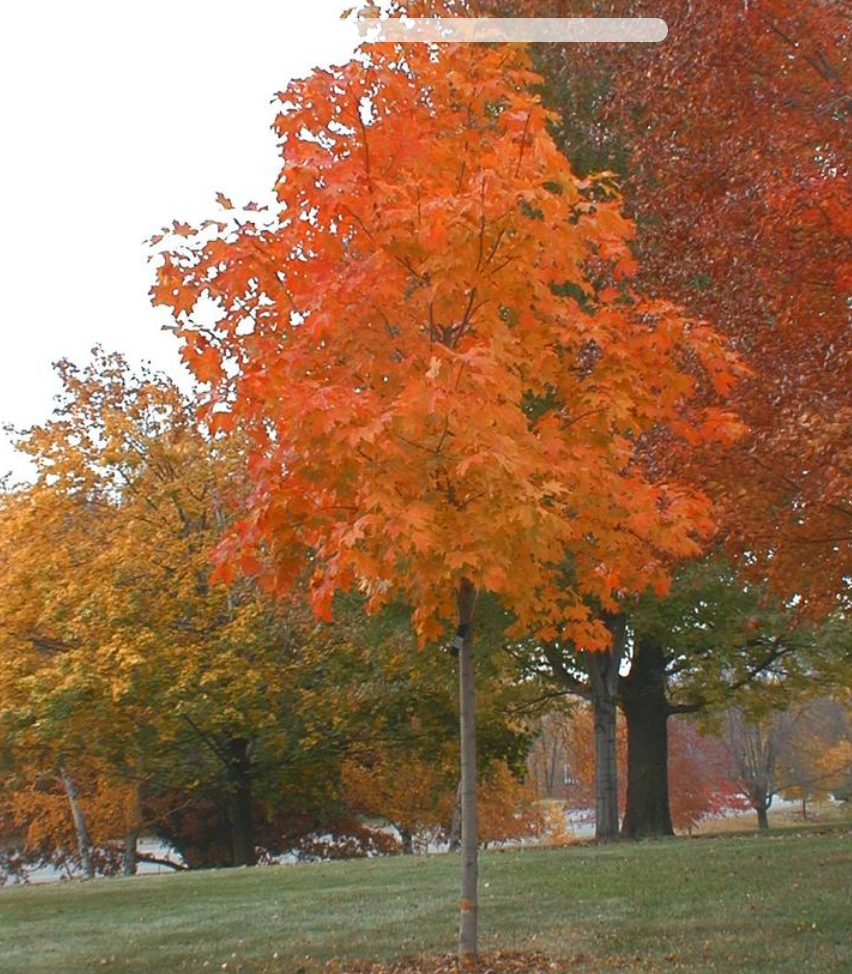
[(780, 903)]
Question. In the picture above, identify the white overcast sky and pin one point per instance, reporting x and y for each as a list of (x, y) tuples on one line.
[(117, 118)]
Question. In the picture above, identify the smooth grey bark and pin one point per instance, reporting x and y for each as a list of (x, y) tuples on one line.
[(466, 600), (603, 683), (84, 844), (455, 824)]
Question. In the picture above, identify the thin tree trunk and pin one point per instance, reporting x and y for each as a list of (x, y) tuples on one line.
[(646, 711), (603, 680), (551, 770), (131, 836), (83, 843), (407, 842), (129, 857), (466, 599), (762, 818)]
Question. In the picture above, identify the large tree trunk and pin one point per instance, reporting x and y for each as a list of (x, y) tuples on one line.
[(762, 818), (646, 710), (239, 805), (466, 598), (84, 844), (603, 681)]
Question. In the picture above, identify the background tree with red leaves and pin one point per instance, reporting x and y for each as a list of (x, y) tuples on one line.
[(734, 145)]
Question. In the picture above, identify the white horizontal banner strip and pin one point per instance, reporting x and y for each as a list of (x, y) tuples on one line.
[(514, 30)]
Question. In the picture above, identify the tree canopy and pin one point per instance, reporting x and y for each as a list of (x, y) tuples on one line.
[(435, 344)]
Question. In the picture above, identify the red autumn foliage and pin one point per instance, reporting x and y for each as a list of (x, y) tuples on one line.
[(700, 776), (736, 141)]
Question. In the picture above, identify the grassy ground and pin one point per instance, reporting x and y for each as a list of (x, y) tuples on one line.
[(733, 905), (787, 817)]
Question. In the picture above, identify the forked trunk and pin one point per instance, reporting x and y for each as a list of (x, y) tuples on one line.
[(466, 599), (84, 845)]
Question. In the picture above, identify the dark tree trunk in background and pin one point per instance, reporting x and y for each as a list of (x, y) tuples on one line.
[(407, 841), (469, 832), (200, 832), (130, 853), (646, 711), (762, 818), (239, 805), (603, 681), (129, 856)]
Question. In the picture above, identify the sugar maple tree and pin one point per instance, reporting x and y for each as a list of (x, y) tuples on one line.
[(435, 351), (735, 139), (121, 665)]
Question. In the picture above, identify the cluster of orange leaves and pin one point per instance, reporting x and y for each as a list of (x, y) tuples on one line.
[(436, 352), (418, 796), (36, 816)]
